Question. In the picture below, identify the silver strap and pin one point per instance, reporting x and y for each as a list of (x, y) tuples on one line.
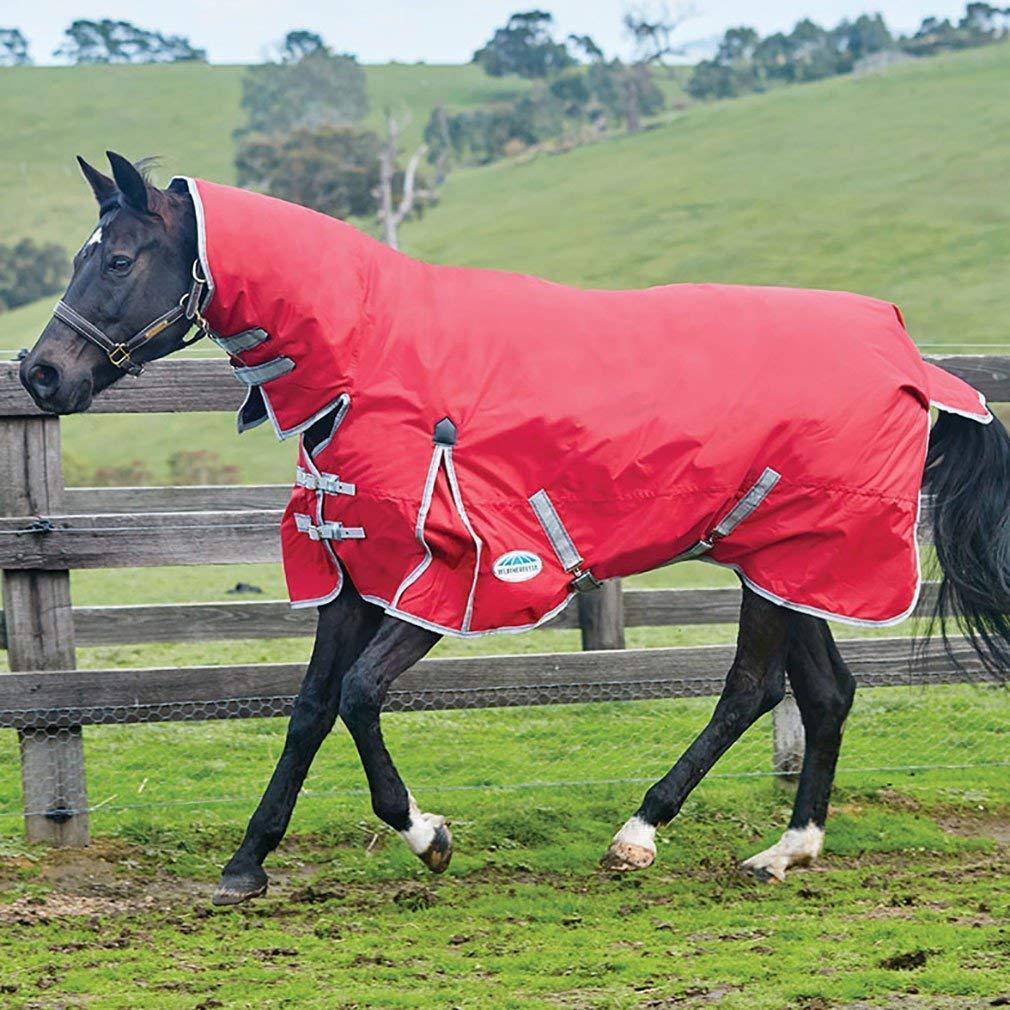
[(736, 515), (747, 504), (562, 543), (256, 375), (246, 340), (327, 531), (329, 483)]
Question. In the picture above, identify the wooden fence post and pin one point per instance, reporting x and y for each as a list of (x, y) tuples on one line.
[(601, 617), (40, 634), (787, 739)]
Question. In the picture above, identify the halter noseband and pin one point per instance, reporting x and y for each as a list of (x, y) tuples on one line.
[(120, 353)]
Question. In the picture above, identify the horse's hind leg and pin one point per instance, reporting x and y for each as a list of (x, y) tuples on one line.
[(755, 684), (824, 689)]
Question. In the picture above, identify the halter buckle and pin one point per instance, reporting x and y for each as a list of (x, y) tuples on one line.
[(119, 355)]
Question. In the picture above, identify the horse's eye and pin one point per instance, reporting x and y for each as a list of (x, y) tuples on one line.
[(120, 264)]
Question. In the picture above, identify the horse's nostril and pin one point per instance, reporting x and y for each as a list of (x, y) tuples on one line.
[(44, 379)]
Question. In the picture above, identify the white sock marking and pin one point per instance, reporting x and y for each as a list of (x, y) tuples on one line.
[(637, 832), (796, 847), (420, 832)]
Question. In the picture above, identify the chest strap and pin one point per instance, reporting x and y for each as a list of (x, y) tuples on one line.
[(329, 483), (327, 531)]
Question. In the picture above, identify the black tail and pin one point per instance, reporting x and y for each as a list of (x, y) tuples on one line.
[(968, 477)]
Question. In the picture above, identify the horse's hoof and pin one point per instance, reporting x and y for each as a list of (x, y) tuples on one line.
[(436, 857), (623, 857), (797, 847), (766, 873), (236, 888)]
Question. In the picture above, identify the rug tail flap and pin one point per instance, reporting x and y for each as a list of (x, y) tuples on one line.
[(954, 396)]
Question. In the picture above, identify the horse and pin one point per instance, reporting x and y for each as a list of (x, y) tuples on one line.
[(141, 282)]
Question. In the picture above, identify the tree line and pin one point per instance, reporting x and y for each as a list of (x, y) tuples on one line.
[(304, 137), (747, 62), (105, 41)]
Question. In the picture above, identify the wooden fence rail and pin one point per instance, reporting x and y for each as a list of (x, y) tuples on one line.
[(47, 530)]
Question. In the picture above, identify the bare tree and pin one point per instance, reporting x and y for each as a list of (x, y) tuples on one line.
[(652, 29), (392, 213)]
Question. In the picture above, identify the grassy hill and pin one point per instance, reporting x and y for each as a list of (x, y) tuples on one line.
[(184, 113), (894, 185)]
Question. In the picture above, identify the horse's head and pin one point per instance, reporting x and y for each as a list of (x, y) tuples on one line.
[(123, 306)]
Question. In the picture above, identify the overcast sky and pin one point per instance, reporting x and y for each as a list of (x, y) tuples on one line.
[(439, 31)]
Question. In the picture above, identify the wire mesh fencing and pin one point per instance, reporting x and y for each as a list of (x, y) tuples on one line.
[(212, 759)]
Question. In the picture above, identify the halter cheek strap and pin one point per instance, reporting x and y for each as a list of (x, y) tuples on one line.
[(120, 353)]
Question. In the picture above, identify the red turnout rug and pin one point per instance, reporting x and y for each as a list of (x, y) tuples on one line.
[(499, 441)]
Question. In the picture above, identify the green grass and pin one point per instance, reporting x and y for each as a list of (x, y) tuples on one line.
[(183, 113), (892, 185), (913, 869)]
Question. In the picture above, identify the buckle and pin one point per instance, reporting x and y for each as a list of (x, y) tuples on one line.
[(327, 530), (584, 581), (119, 355), (328, 483)]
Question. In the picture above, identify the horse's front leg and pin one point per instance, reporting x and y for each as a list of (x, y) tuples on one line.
[(345, 627), (396, 646)]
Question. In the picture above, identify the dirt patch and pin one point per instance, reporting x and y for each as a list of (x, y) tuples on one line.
[(994, 826), (907, 962), (918, 1003), (107, 878)]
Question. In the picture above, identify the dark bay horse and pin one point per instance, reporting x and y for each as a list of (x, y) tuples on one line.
[(126, 305)]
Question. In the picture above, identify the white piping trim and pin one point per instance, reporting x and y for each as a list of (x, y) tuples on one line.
[(201, 245), (827, 615), (457, 499), (201, 235), (241, 425), (298, 428), (322, 600), (422, 518), (964, 413), (455, 632), (338, 420)]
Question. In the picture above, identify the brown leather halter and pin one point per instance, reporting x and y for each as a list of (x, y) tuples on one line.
[(121, 353)]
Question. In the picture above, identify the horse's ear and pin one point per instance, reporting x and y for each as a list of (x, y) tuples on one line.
[(101, 185), (130, 182)]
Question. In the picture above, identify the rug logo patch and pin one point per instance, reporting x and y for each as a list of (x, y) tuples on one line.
[(517, 566)]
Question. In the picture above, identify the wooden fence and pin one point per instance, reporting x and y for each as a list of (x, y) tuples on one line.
[(48, 530)]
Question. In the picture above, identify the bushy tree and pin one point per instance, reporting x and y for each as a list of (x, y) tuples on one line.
[(109, 41), (318, 89), (301, 43), (525, 46), (982, 23), (867, 34), (30, 270), (13, 48), (745, 62), (332, 169)]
